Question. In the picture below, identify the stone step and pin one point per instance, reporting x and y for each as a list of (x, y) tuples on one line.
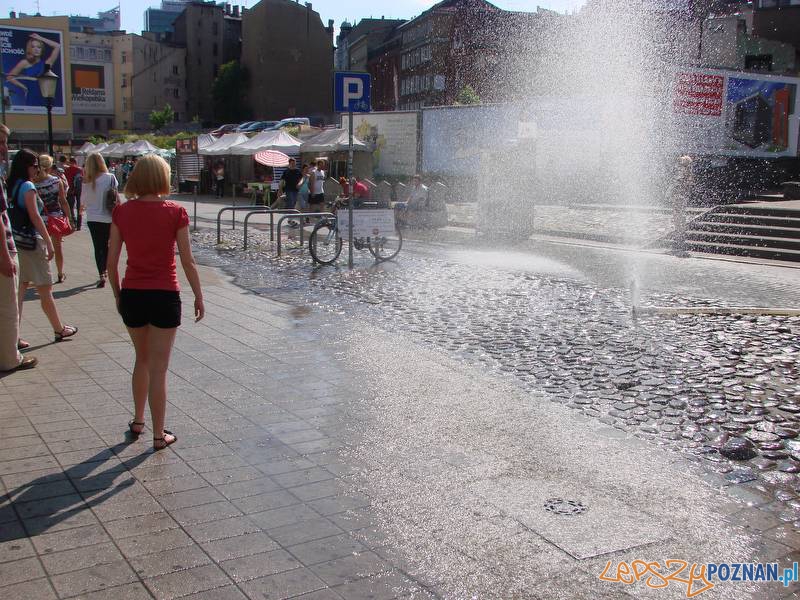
[(744, 240), (749, 251), (747, 229)]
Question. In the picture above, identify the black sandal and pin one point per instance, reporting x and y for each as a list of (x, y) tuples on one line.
[(134, 423), (163, 442), (66, 331)]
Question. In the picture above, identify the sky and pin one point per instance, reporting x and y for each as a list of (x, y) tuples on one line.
[(338, 10)]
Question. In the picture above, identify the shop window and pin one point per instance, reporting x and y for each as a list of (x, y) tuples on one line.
[(81, 124), (97, 124)]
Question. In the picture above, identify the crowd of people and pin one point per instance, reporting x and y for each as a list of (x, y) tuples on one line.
[(41, 204)]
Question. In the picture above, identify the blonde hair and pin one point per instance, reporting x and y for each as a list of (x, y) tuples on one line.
[(45, 162), (151, 175), (93, 168)]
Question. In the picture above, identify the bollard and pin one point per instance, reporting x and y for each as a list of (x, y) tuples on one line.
[(195, 207)]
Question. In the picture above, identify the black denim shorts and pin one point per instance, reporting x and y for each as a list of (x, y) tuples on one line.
[(159, 308)]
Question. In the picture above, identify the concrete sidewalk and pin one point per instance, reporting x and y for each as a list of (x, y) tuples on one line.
[(319, 457)]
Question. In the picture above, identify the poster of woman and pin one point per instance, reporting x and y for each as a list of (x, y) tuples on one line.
[(26, 54)]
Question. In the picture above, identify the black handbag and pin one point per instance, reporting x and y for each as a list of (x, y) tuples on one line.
[(112, 198), (23, 231)]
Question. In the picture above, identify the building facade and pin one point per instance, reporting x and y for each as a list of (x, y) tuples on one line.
[(108, 20), (94, 84), (211, 35), (288, 53), (354, 43)]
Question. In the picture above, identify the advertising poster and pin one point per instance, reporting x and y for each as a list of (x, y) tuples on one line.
[(92, 88), (393, 135), (454, 138), (25, 52), (731, 113)]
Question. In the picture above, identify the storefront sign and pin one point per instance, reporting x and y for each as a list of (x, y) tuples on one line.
[(367, 223)]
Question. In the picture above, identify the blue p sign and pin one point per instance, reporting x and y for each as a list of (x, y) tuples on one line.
[(351, 92)]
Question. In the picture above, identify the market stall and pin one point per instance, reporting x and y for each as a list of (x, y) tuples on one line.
[(190, 164), (219, 154), (334, 144), (252, 170)]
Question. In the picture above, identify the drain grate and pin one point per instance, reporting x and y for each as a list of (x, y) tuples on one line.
[(560, 506)]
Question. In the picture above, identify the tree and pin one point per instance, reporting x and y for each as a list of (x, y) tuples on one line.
[(160, 118), (228, 92), (468, 95)]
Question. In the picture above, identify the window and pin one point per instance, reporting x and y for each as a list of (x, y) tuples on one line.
[(175, 69), (177, 92), (96, 124), (124, 80), (214, 49), (124, 57), (81, 124), (124, 105), (215, 28), (110, 123), (758, 62), (107, 55)]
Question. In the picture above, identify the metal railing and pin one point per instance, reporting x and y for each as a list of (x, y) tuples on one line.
[(304, 215), (233, 208), (271, 212)]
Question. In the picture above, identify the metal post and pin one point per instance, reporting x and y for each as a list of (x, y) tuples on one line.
[(50, 125), (195, 207), (350, 190), (233, 212)]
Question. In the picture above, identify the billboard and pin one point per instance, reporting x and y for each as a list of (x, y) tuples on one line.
[(733, 113), (92, 88), (25, 52), (454, 138), (393, 135)]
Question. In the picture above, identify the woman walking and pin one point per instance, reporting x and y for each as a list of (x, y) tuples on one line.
[(53, 193), (96, 182), (149, 298), (29, 228)]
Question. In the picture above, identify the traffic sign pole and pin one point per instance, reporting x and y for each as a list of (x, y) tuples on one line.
[(350, 190)]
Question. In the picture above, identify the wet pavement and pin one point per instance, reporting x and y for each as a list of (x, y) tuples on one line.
[(723, 390), (411, 430)]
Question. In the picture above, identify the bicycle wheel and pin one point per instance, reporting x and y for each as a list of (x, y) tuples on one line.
[(325, 243), (386, 247)]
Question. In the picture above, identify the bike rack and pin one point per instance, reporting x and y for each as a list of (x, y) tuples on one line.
[(233, 208), (282, 219), (271, 212)]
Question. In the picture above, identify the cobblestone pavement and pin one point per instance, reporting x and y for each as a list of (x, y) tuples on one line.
[(329, 450)]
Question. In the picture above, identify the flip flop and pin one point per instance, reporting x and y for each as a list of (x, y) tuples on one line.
[(159, 443)]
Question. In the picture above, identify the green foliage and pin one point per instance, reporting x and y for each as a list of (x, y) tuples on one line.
[(160, 118), (228, 92), (468, 95)]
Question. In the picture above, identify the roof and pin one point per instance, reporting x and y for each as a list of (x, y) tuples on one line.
[(333, 140), (267, 140), (222, 145)]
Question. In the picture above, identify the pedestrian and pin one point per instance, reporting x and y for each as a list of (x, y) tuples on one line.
[(74, 176), (219, 177), (148, 300), (302, 189), (96, 183), (10, 358), (52, 192), (290, 180), (316, 200), (416, 201), (29, 230), (680, 191)]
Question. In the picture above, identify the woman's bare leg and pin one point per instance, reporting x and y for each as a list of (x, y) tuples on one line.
[(59, 254), (49, 307), (159, 345), (140, 382)]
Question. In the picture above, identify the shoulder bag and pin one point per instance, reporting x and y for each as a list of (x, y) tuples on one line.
[(21, 227), (112, 197)]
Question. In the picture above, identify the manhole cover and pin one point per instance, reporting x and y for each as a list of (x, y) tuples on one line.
[(560, 506)]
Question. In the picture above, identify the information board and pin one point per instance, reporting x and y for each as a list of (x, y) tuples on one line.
[(367, 222)]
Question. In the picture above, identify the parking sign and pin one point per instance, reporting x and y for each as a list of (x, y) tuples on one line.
[(351, 92)]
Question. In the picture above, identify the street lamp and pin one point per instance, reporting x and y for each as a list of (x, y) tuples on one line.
[(48, 81)]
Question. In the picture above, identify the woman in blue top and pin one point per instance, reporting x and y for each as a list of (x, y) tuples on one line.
[(22, 82), (34, 265)]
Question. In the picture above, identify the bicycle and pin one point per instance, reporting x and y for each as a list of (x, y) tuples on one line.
[(325, 243)]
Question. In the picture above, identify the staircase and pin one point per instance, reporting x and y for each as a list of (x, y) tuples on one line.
[(756, 230)]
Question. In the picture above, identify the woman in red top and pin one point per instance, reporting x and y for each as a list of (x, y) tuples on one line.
[(149, 298)]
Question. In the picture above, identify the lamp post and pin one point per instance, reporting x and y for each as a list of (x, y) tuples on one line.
[(48, 81)]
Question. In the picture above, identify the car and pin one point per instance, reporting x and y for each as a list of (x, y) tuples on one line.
[(292, 122), (223, 129), (257, 126), (242, 126)]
